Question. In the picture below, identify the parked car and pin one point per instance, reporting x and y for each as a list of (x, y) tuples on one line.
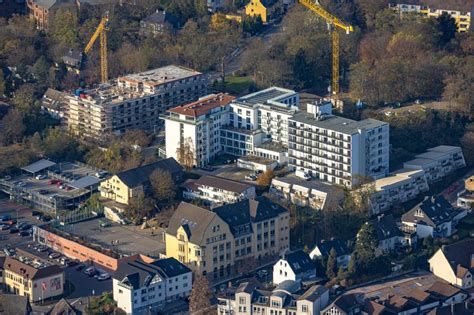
[(90, 271), (6, 217), (4, 227), (25, 227), (40, 177), (42, 249), (20, 224), (14, 230), (103, 276), (64, 261), (21, 184), (24, 233), (258, 172), (54, 255), (80, 267), (251, 177)]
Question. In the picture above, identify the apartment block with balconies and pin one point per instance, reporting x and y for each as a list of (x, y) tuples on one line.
[(335, 149)]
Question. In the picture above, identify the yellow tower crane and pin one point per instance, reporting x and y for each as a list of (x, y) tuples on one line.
[(333, 22), (101, 32)]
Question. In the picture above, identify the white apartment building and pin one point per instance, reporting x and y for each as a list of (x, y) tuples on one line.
[(131, 102), (140, 287), (400, 186), (438, 162), (287, 298), (336, 149), (213, 189), (197, 125)]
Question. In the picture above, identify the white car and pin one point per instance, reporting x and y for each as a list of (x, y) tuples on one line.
[(103, 276), (40, 177)]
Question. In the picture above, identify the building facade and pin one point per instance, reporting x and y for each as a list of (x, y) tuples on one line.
[(194, 129), (212, 242), (133, 101), (43, 11), (140, 287), (335, 149), (295, 266)]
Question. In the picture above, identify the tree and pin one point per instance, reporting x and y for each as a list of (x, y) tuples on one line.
[(446, 26), (163, 185), (265, 179), (185, 154), (2, 83), (138, 208), (200, 298), (64, 28), (60, 146), (11, 127), (103, 304), (25, 100), (41, 70), (302, 70), (331, 265), (136, 137), (366, 244)]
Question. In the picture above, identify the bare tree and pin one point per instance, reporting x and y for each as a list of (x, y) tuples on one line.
[(185, 153), (163, 184), (200, 298)]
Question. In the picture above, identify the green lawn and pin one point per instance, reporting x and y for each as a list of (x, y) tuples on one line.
[(238, 85)]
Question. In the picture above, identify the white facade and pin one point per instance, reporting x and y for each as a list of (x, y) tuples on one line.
[(338, 150), (441, 267), (282, 272), (400, 186)]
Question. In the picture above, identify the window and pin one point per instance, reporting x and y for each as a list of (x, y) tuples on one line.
[(242, 300), (304, 308)]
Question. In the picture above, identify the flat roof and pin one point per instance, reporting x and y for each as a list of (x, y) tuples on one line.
[(420, 162), (337, 123), (396, 177), (445, 148), (272, 146), (85, 182), (222, 183), (310, 184), (38, 166), (204, 105), (432, 155), (262, 97), (160, 75), (256, 159)]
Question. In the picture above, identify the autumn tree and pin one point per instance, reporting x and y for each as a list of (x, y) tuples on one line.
[(11, 127), (265, 179), (138, 208), (185, 154), (200, 298), (163, 185), (331, 265)]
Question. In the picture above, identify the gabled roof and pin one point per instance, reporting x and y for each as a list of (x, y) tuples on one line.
[(460, 254), (338, 245), (223, 183), (444, 289), (63, 308), (436, 210), (28, 271), (140, 175), (160, 17), (171, 267), (299, 261), (14, 304), (246, 287), (344, 303), (204, 105), (385, 227), (194, 219), (313, 293)]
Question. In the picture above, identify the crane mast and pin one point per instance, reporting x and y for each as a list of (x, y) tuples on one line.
[(333, 23), (101, 33)]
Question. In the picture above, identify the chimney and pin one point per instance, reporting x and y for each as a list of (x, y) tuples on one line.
[(433, 199)]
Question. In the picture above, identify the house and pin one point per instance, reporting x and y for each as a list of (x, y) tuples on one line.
[(63, 307), (295, 266), (125, 185), (314, 194), (34, 278), (157, 23), (388, 234), (265, 9), (214, 189), (343, 305), (400, 186), (43, 11), (454, 263), (438, 162), (139, 286), (466, 196), (14, 304), (214, 5), (287, 298), (73, 60), (323, 250), (52, 103), (212, 242), (434, 217)]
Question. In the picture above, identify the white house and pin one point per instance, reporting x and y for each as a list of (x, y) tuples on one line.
[(139, 286), (214, 189), (296, 266), (434, 217), (323, 250), (455, 263)]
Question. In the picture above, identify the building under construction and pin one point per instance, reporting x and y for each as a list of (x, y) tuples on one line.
[(131, 102)]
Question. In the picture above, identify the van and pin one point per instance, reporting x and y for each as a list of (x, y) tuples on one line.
[(302, 174)]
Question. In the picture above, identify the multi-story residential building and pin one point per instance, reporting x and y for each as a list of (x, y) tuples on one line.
[(295, 266), (400, 186), (434, 217), (212, 242), (336, 149), (454, 263), (323, 250), (52, 103), (140, 287), (125, 185), (438, 162), (213, 189), (43, 11), (287, 298), (28, 275), (132, 102), (313, 194), (388, 234), (198, 126), (461, 11)]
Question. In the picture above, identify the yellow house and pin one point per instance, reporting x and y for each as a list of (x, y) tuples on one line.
[(263, 8), (213, 242), (36, 282), (128, 184)]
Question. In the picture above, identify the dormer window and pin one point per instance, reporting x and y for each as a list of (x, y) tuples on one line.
[(419, 213)]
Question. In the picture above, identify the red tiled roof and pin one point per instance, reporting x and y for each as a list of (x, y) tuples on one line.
[(204, 105)]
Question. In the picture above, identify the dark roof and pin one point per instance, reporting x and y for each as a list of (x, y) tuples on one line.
[(194, 219), (345, 303), (139, 274), (444, 289), (171, 267), (47, 4), (14, 304), (223, 183), (460, 254), (248, 211), (338, 245), (374, 308), (38, 166), (29, 271), (299, 261), (247, 287), (140, 175), (436, 210), (313, 293), (160, 17), (385, 227), (63, 308)]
